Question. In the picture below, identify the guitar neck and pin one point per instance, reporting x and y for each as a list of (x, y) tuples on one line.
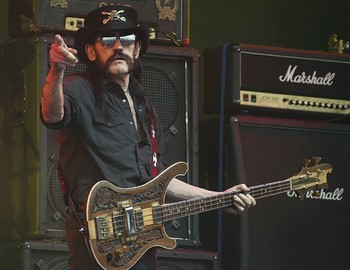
[(199, 205)]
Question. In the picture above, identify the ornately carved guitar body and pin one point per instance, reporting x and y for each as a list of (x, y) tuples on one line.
[(123, 223)]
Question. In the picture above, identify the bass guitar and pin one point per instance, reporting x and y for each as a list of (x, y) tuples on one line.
[(123, 223)]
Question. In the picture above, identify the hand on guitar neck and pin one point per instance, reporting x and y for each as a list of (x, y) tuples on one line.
[(241, 201), (178, 191)]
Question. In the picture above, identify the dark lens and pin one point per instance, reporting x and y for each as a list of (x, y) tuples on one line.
[(127, 38), (108, 40)]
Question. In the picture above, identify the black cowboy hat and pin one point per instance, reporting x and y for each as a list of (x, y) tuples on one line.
[(110, 18)]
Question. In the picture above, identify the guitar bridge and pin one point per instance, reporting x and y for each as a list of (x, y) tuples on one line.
[(104, 227)]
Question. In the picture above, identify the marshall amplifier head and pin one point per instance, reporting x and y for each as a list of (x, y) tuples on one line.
[(243, 78), (168, 20)]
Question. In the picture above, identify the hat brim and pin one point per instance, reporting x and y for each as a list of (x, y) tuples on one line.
[(85, 36)]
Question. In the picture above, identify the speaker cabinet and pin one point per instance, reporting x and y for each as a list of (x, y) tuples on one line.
[(53, 255), (168, 20), (170, 80), (284, 232), (187, 259), (44, 255)]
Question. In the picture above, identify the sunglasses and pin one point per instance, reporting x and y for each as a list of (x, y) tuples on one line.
[(109, 39)]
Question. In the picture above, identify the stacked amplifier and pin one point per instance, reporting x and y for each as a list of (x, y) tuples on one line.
[(250, 78), (275, 107), (168, 20)]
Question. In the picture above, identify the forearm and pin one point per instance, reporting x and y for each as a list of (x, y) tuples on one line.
[(179, 190), (52, 96)]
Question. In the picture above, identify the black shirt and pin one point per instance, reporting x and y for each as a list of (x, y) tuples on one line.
[(98, 138)]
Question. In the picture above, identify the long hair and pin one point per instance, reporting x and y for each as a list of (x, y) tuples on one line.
[(138, 69)]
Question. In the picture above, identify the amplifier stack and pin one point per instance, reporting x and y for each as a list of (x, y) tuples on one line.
[(250, 78), (168, 20), (273, 108)]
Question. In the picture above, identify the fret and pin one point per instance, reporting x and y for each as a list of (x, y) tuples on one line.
[(266, 190), (196, 206)]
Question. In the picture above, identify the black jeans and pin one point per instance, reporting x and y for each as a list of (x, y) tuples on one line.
[(79, 256)]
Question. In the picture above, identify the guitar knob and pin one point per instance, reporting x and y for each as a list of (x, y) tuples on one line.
[(117, 254)]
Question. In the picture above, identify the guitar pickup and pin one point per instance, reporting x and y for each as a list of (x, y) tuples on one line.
[(157, 213), (139, 218)]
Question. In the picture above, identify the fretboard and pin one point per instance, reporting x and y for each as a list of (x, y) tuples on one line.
[(199, 205)]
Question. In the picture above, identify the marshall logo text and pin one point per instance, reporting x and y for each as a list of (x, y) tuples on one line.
[(336, 195), (303, 78)]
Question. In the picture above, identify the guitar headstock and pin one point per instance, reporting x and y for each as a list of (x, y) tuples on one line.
[(311, 178)]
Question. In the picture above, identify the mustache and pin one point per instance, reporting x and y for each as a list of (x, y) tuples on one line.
[(119, 54)]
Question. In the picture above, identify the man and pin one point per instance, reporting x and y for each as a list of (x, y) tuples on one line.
[(109, 128)]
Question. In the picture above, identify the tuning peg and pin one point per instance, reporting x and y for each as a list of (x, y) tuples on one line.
[(316, 193), (316, 160), (307, 162), (302, 196)]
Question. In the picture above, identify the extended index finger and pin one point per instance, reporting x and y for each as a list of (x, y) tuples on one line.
[(59, 40), (64, 49)]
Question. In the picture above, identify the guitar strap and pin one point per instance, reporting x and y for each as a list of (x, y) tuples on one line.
[(68, 199), (151, 120), (64, 186)]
